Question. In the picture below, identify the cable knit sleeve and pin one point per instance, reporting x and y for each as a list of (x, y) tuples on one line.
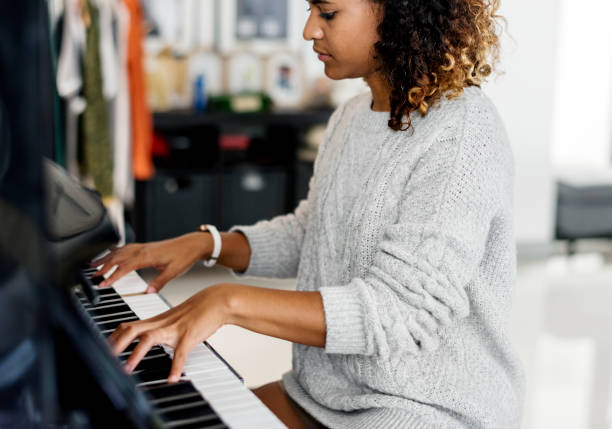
[(276, 244), (423, 264)]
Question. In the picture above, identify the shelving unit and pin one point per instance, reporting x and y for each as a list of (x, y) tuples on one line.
[(200, 182)]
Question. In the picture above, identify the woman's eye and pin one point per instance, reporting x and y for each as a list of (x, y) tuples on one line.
[(327, 16)]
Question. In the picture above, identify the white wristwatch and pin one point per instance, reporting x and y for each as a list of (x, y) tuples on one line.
[(216, 244)]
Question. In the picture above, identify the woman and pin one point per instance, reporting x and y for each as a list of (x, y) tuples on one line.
[(403, 249)]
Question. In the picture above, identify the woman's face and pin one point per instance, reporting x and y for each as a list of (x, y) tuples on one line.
[(344, 33)]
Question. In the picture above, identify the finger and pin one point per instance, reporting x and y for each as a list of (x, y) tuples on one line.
[(103, 259), (159, 282), (105, 269), (125, 334), (180, 357), (147, 340), (119, 272)]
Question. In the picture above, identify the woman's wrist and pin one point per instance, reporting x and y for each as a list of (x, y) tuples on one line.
[(229, 297), (202, 244)]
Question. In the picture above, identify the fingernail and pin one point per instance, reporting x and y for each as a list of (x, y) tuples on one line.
[(173, 379), (127, 368), (151, 289)]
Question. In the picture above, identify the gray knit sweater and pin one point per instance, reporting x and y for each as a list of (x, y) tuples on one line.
[(408, 237)]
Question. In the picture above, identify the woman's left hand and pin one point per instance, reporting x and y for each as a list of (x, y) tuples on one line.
[(181, 327)]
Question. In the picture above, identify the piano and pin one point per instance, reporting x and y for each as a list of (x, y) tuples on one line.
[(210, 393), (56, 369)]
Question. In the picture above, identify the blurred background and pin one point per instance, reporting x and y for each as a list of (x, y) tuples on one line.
[(212, 112)]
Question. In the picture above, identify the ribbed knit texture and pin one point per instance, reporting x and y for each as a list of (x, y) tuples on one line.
[(408, 237)]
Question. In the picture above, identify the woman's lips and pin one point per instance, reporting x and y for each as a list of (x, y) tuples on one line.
[(323, 56)]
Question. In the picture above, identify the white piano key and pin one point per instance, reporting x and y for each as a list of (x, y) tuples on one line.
[(129, 284), (237, 406)]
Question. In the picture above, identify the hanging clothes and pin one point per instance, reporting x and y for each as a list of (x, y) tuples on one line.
[(123, 180), (56, 13), (108, 50), (141, 119), (69, 79), (97, 159)]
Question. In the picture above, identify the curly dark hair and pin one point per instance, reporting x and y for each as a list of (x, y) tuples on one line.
[(429, 48)]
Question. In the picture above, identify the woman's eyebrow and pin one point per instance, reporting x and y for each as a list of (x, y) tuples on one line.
[(318, 2)]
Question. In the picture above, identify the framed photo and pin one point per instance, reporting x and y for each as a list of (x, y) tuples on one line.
[(245, 73), (209, 67), (260, 26), (183, 25), (284, 80)]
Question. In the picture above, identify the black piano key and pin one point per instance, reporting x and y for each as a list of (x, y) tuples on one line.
[(105, 297), (164, 390), (154, 362), (106, 317), (105, 326), (201, 410), (111, 309), (155, 350), (97, 280), (131, 347), (111, 303), (158, 374), (177, 400), (102, 300), (196, 424), (106, 290)]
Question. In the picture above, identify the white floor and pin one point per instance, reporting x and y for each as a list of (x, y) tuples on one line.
[(560, 326)]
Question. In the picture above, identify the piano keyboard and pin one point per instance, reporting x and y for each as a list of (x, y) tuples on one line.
[(210, 394)]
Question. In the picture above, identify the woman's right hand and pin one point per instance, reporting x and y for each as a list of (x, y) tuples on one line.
[(170, 257)]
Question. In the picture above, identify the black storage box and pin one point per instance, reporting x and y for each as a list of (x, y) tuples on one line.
[(175, 204), (252, 193)]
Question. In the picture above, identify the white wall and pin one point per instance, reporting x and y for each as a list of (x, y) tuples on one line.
[(524, 98), (583, 106)]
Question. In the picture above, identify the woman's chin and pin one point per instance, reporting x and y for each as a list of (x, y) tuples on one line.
[(333, 73)]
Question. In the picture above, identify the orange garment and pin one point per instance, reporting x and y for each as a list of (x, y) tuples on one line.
[(141, 119)]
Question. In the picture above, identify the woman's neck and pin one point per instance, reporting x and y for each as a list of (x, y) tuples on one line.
[(380, 93)]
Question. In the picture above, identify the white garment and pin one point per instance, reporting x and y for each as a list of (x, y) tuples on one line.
[(108, 54), (69, 79), (123, 179)]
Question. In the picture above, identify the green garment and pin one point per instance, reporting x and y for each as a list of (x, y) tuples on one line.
[(97, 161)]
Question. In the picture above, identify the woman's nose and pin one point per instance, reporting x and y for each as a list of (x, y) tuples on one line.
[(312, 30)]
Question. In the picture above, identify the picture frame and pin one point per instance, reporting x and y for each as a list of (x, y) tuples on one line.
[(284, 80), (259, 26), (209, 66), (244, 73), (183, 25)]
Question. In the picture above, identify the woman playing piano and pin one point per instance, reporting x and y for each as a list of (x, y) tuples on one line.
[(403, 250)]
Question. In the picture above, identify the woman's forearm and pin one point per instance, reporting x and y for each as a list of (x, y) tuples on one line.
[(235, 251), (290, 315)]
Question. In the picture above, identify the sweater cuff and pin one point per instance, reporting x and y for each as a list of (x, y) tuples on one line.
[(263, 251), (344, 317)]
